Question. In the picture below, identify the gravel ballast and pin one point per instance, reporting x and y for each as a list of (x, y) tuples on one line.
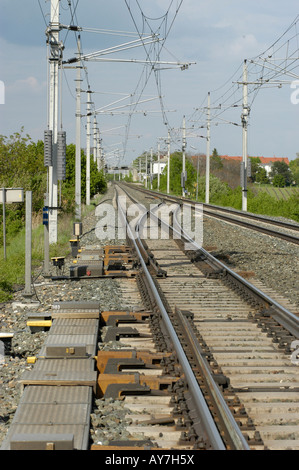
[(272, 261)]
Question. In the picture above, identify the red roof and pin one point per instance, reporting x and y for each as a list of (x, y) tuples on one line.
[(264, 160), (231, 158)]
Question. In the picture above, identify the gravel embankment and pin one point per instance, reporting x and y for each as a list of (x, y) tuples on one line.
[(13, 318), (273, 261)]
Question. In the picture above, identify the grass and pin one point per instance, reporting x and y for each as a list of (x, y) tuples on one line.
[(277, 193), (12, 270)]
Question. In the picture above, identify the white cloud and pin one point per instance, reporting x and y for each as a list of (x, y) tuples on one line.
[(217, 35), (29, 84)]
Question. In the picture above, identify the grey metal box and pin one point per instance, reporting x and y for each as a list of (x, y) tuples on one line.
[(74, 350), (42, 442)]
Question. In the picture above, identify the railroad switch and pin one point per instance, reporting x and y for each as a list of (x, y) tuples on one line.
[(106, 359), (113, 317), (117, 385), (115, 333), (111, 261), (112, 249)]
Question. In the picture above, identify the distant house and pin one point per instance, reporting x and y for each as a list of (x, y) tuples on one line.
[(266, 162), (158, 167)]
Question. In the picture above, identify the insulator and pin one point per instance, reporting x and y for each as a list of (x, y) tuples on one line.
[(61, 155), (48, 148)]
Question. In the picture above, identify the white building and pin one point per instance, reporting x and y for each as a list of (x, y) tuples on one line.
[(158, 167)]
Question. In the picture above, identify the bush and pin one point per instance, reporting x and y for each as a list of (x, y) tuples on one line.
[(261, 203), (176, 167), (98, 183), (279, 181), (22, 166), (219, 191)]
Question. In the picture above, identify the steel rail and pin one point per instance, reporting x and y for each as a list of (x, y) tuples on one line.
[(273, 233), (249, 215), (283, 316), (194, 388), (220, 404), (286, 318)]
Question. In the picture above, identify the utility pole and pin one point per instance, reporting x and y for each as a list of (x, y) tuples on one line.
[(139, 169), (244, 119), (28, 245), (151, 169), (78, 137), (88, 148), (197, 175), (159, 166), (168, 162), (208, 151), (146, 170), (4, 221), (98, 151), (184, 173), (95, 139), (54, 61)]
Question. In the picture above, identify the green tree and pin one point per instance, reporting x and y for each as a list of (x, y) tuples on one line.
[(22, 166), (294, 166), (215, 161), (261, 176), (255, 167), (98, 183), (279, 181), (281, 168), (176, 166), (218, 189)]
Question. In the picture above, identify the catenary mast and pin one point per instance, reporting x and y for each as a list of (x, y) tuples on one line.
[(54, 61)]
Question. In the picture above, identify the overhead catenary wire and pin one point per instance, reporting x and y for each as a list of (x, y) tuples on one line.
[(272, 66), (163, 21), (158, 34)]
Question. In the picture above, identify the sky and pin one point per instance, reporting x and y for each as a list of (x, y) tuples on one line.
[(214, 37)]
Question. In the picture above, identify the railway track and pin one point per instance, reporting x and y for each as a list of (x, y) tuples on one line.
[(239, 339), (282, 229), (189, 330)]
